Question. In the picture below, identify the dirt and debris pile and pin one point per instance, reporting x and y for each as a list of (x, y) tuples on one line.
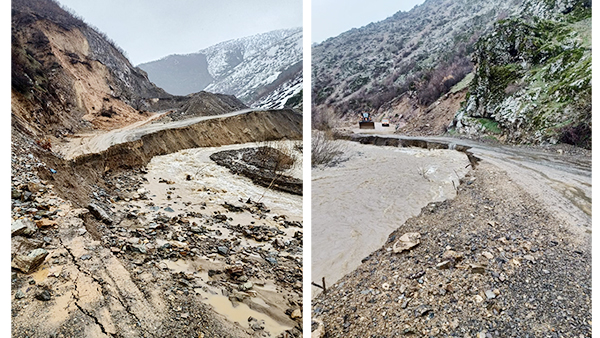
[(264, 166), (490, 263)]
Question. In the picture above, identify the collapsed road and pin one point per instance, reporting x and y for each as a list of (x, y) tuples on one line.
[(510, 253), (81, 144), (150, 238)]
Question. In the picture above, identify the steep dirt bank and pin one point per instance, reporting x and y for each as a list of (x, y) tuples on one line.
[(492, 263), (73, 179)]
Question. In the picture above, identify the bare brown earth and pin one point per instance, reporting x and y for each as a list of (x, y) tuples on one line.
[(432, 120), (492, 262), (408, 117)]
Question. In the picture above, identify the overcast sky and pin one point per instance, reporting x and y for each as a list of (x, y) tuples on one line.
[(333, 17), (151, 29)]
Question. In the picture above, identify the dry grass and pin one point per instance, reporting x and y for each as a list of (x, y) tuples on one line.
[(279, 156), (325, 150)]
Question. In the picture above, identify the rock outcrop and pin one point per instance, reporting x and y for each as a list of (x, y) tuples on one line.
[(532, 80)]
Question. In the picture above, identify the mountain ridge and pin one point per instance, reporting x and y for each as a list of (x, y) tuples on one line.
[(250, 68)]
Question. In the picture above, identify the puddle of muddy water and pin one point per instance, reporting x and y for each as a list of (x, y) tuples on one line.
[(357, 204), (240, 313)]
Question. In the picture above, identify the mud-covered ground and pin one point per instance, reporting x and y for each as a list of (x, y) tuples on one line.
[(492, 262), (156, 253)]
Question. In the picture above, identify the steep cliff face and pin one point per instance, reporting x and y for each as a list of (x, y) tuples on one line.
[(66, 75), (532, 81)]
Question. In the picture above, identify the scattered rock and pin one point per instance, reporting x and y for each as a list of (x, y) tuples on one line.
[(43, 223), (487, 255), (443, 265), (43, 296), (453, 256), (407, 242), (29, 263), (477, 268), (99, 213), (490, 294), (223, 250), (22, 227), (422, 310), (297, 313), (19, 294), (246, 286)]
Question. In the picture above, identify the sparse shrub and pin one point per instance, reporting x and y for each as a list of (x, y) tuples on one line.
[(578, 135), (441, 79), (325, 119), (274, 156), (325, 150)]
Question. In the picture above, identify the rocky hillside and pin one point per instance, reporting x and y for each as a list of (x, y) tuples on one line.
[(262, 70), (67, 76), (423, 52), (523, 69), (533, 77)]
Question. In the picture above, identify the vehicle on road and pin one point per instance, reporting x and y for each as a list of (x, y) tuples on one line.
[(366, 122)]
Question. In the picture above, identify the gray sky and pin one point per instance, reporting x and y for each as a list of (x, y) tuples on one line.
[(151, 29), (333, 17)]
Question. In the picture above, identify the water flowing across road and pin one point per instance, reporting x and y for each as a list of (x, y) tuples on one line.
[(357, 204)]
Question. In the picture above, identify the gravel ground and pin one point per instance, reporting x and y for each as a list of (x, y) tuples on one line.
[(490, 263)]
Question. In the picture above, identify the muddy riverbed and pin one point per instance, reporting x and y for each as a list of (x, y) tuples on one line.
[(358, 203), (189, 184), (181, 247)]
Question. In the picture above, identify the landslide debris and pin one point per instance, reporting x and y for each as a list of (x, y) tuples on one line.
[(490, 263)]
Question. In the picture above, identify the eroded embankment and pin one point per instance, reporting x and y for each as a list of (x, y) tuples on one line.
[(73, 179), (403, 143), (491, 262)]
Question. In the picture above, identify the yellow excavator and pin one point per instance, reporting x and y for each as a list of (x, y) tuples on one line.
[(366, 122)]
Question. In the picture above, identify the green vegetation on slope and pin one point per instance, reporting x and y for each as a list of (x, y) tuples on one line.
[(533, 78)]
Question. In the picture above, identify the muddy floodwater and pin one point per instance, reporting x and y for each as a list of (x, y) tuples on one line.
[(213, 184), (358, 203), (190, 182)]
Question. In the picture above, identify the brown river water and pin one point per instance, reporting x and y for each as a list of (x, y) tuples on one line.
[(358, 203)]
